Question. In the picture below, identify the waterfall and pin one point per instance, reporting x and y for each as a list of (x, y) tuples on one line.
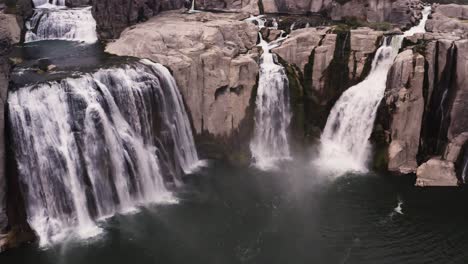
[(345, 142), (192, 8), (272, 114), (75, 24), (96, 145)]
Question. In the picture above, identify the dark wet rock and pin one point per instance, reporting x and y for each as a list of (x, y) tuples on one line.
[(9, 35), (113, 16), (77, 3)]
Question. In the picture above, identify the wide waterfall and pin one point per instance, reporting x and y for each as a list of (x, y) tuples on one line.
[(100, 144), (345, 142), (272, 113), (75, 24)]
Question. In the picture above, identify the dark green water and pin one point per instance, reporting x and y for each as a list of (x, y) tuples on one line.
[(228, 215)]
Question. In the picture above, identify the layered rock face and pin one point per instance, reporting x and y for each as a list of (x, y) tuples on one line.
[(405, 99), (449, 19), (212, 59), (426, 103), (250, 6), (404, 13), (400, 12), (329, 62), (113, 16), (9, 34)]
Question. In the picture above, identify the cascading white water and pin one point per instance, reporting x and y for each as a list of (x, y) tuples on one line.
[(92, 146), (75, 24), (272, 113), (192, 8), (345, 142)]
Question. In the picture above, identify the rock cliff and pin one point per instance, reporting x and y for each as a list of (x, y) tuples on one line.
[(403, 13), (113, 16), (329, 62), (10, 33), (214, 61), (426, 102)]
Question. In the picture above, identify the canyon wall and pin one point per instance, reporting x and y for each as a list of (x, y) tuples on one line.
[(400, 12), (10, 33), (113, 16), (426, 102), (214, 60)]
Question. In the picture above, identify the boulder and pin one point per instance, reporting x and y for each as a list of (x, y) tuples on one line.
[(436, 172), (405, 101), (213, 59)]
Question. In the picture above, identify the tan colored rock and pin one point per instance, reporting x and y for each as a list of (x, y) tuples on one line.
[(248, 6), (404, 96), (459, 107), (211, 58), (436, 172), (449, 19), (300, 44), (364, 43), (323, 56), (454, 148)]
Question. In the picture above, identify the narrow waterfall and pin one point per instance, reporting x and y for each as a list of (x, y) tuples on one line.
[(93, 146), (75, 24), (272, 114), (192, 8), (345, 142)]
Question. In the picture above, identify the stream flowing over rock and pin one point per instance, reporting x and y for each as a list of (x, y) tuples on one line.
[(345, 139), (103, 143), (75, 24), (270, 143)]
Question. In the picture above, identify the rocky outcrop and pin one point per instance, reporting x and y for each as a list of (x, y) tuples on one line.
[(330, 61), (213, 60), (113, 16), (404, 13), (436, 172), (404, 98), (364, 43), (9, 35), (426, 104), (249, 6), (449, 19)]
